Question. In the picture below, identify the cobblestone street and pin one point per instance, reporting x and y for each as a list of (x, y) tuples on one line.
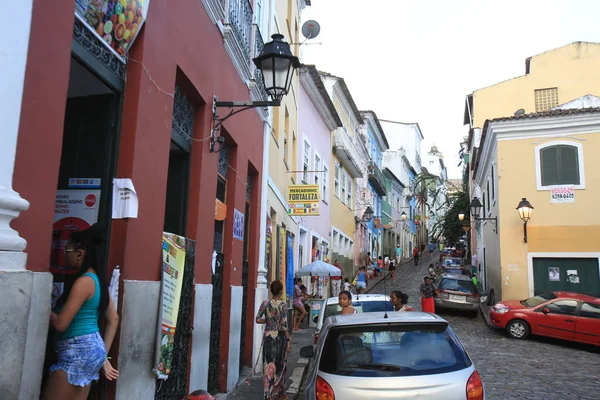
[(537, 368)]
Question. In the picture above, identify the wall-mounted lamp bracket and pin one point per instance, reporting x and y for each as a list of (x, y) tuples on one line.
[(235, 107), (494, 220)]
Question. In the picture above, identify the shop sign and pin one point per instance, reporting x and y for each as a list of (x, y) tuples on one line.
[(173, 263), (282, 262), (303, 200), (238, 225), (565, 194), (268, 247), (116, 23), (84, 183), (74, 210), (377, 222)]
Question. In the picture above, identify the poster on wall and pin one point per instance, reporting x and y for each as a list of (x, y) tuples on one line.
[(74, 210), (116, 23), (238, 224), (554, 274), (173, 263), (289, 281), (562, 195), (572, 276), (268, 248), (282, 252)]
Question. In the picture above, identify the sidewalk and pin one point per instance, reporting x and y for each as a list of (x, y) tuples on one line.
[(251, 388)]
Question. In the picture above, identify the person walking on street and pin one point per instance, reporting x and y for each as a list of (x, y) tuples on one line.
[(276, 344), (392, 269), (416, 255), (431, 249), (398, 254), (399, 301), (299, 311), (80, 349), (336, 281), (427, 291), (361, 280)]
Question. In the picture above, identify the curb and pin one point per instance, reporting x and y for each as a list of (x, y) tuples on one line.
[(298, 376)]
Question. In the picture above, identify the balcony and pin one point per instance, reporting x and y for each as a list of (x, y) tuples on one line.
[(376, 178), (257, 88), (346, 152)]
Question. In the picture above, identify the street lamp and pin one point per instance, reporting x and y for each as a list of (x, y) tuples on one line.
[(525, 208), (403, 216), (368, 214), (476, 207), (277, 64), (461, 216)]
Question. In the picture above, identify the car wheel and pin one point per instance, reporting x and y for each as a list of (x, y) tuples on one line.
[(518, 329), (491, 298)]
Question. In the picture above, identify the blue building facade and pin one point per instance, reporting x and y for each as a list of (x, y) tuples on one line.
[(412, 176)]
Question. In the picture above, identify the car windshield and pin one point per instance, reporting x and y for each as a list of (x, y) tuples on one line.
[(360, 307), (457, 285), (392, 350), (539, 299)]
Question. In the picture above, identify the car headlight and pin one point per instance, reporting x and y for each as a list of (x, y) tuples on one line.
[(500, 310)]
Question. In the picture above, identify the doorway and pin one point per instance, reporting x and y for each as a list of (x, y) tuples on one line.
[(87, 168), (578, 275)]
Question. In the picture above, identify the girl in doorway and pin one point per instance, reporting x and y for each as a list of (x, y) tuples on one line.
[(345, 301), (80, 349), (299, 311)]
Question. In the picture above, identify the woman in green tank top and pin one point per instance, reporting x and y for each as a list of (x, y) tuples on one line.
[(81, 352)]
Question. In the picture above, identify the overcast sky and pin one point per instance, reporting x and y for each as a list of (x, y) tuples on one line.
[(415, 60)]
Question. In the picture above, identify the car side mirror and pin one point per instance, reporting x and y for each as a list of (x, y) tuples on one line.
[(307, 352), (316, 318), (545, 310)]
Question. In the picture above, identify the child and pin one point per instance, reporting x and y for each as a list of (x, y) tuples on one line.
[(361, 280), (346, 285), (392, 269), (345, 301), (379, 265)]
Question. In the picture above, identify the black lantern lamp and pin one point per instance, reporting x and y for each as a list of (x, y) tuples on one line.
[(368, 214), (525, 208), (277, 64), (403, 216), (476, 207)]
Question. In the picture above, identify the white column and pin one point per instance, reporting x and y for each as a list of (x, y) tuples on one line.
[(261, 291), (13, 59)]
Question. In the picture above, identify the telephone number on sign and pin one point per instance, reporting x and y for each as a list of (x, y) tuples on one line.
[(563, 196)]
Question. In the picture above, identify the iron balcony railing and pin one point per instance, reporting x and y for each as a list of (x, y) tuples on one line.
[(258, 46), (347, 153), (240, 19), (376, 178)]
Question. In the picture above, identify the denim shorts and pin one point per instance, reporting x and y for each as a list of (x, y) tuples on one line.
[(361, 285), (81, 357)]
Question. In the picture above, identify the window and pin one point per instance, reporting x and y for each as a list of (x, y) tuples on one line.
[(484, 209), (317, 168), (334, 243), (488, 198), (349, 199), (285, 147), (343, 197), (559, 165), (337, 179), (545, 99), (590, 310), (562, 307), (325, 192), (306, 162), (493, 188)]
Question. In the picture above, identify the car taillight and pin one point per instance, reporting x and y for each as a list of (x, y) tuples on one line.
[(442, 294), (474, 387), (323, 391)]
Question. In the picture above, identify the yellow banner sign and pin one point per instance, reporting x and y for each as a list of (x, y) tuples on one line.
[(303, 194)]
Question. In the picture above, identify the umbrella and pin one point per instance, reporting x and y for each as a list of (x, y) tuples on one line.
[(319, 268)]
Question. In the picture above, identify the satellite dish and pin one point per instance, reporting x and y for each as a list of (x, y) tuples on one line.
[(311, 29), (520, 111)]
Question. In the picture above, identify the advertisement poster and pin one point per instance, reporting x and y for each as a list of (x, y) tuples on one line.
[(268, 248), (562, 195), (74, 210), (173, 263), (238, 224), (289, 282), (554, 274), (125, 199), (303, 200), (116, 22), (282, 263)]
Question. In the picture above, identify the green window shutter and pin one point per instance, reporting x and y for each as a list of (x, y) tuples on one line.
[(569, 165), (549, 165)]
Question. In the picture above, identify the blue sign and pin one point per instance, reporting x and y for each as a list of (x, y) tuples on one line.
[(289, 272), (238, 225)]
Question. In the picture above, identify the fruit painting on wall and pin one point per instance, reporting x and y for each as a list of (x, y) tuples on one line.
[(117, 22)]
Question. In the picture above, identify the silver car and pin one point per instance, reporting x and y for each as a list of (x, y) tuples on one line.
[(457, 292), (395, 355)]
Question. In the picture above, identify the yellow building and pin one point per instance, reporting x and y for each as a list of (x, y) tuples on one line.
[(551, 78), (551, 159), (283, 151), (349, 164)]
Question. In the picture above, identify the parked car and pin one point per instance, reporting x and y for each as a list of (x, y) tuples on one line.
[(562, 315), (458, 292), (396, 355), (457, 271), (362, 303), (452, 262)]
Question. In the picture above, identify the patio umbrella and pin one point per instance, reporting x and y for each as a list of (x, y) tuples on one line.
[(319, 268)]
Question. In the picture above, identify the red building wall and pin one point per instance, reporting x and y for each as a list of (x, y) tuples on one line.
[(179, 44)]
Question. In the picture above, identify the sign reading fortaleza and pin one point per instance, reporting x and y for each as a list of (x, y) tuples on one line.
[(303, 200)]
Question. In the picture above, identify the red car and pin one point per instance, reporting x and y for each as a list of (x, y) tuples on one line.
[(562, 315)]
